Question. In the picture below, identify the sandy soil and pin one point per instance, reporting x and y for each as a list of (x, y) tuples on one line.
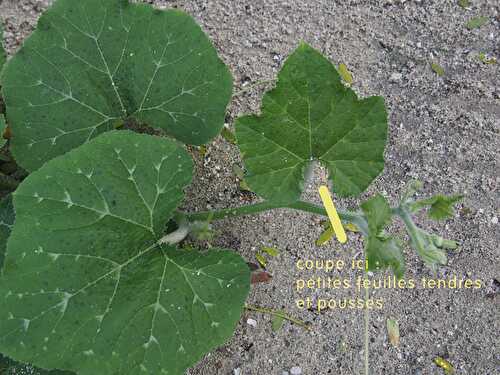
[(443, 131)]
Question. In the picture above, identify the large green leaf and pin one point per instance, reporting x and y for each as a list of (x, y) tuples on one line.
[(382, 251), (91, 64), (312, 115), (86, 287)]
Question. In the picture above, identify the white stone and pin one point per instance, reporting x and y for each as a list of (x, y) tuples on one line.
[(295, 370), (494, 220), (237, 371), (395, 77), (252, 322)]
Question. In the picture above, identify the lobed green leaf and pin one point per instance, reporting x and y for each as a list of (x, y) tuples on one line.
[(92, 64), (440, 206), (325, 236), (311, 115), (85, 285)]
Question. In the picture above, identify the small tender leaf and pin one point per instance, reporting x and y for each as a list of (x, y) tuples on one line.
[(3, 128), (228, 135), (310, 115), (90, 64), (382, 251), (463, 3), (345, 74), (277, 322), (438, 69), (260, 258), (326, 236), (393, 331), (378, 213), (7, 216), (271, 251), (476, 22), (428, 246), (440, 206), (445, 365), (85, 278), (329, 232)]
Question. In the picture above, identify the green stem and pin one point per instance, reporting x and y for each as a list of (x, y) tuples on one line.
[(278, 314), (367, 332), (411, 228), (346, 216), (350, 217)]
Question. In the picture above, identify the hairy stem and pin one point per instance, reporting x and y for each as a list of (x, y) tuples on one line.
[(278, 314), (411, 228), (350, 217), (367, 332)]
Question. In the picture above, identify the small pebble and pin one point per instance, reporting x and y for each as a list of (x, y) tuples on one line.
[(296, 370), (494, 220), (237, 371), (252, 322), (395, 77)]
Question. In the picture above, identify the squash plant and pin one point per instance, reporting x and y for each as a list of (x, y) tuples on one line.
[(93, 281)]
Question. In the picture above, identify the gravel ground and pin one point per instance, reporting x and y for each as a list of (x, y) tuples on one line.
[(443, 131)]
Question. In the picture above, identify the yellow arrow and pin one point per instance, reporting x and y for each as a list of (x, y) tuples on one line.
[(332, 214)]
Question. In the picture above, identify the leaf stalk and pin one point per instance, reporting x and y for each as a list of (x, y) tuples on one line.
[(346, 216)]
